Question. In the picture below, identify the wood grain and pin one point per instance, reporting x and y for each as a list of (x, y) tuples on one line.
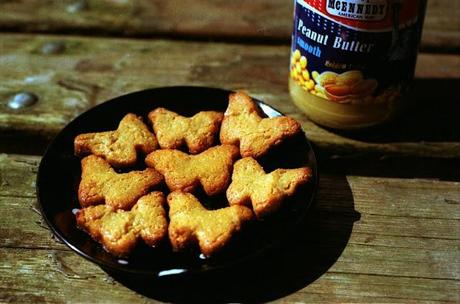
[(56, 276), (367, 239), (251, 20), (91, 70)]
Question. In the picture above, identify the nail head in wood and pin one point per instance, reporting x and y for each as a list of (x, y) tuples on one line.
[(53, 47), (22, 100), (77, 6)]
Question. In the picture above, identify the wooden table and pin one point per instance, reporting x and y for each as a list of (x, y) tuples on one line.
[(386, 224)]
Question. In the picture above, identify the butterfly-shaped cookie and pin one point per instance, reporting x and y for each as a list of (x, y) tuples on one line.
[(251, 185), (119, 230), (191, 224), (243, 125), (118, 147), (211, 168), (198, 132), (100, 183)]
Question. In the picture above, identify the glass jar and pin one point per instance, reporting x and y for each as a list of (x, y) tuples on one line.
[(352, 61)]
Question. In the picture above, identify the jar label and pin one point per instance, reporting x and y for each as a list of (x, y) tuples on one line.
[(355, 51)]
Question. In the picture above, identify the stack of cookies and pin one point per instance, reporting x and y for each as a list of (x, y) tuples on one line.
[(120, 209)]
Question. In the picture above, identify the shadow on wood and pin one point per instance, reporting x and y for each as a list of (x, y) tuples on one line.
[(390, 166), (300, 260), (432, 115)]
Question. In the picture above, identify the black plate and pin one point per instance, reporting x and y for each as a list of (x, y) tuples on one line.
[(59, 176)]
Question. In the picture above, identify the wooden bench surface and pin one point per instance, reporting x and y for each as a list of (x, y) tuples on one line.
[(386, 223), (260, 20), (384, 239), (88, 71)]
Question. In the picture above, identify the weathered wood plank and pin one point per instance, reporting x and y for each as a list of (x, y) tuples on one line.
[(366, 231), (441, 27), (364, 288), (395, 197), (255, 20), (65, 276), (89, 71), (53, 276), (418, 255), (17, 175)]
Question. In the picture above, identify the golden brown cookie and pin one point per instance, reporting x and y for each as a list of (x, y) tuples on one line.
[(244, 126), (191, 224), (100, 183), (197, 132), (119, 230), (250, 184), (118, 147), (211, 168)]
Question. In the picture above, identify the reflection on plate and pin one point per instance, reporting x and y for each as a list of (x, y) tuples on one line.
[(59, 176)]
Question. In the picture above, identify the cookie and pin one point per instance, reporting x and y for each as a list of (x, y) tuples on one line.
[(119, 147), (191, 224), (198, 133), (100, 183), (243, 125), (119, 230), (251, 185), (211, 169)]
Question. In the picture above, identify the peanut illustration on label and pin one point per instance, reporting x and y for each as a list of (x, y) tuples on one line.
[(347, 87)]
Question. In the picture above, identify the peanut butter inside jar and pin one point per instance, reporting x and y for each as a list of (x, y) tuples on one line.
[(341, 101), (337, 115)]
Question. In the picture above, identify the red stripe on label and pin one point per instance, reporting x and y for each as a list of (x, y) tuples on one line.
[(366, 14)]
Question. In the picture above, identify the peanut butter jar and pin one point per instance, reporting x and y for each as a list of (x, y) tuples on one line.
[(352, 61)]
